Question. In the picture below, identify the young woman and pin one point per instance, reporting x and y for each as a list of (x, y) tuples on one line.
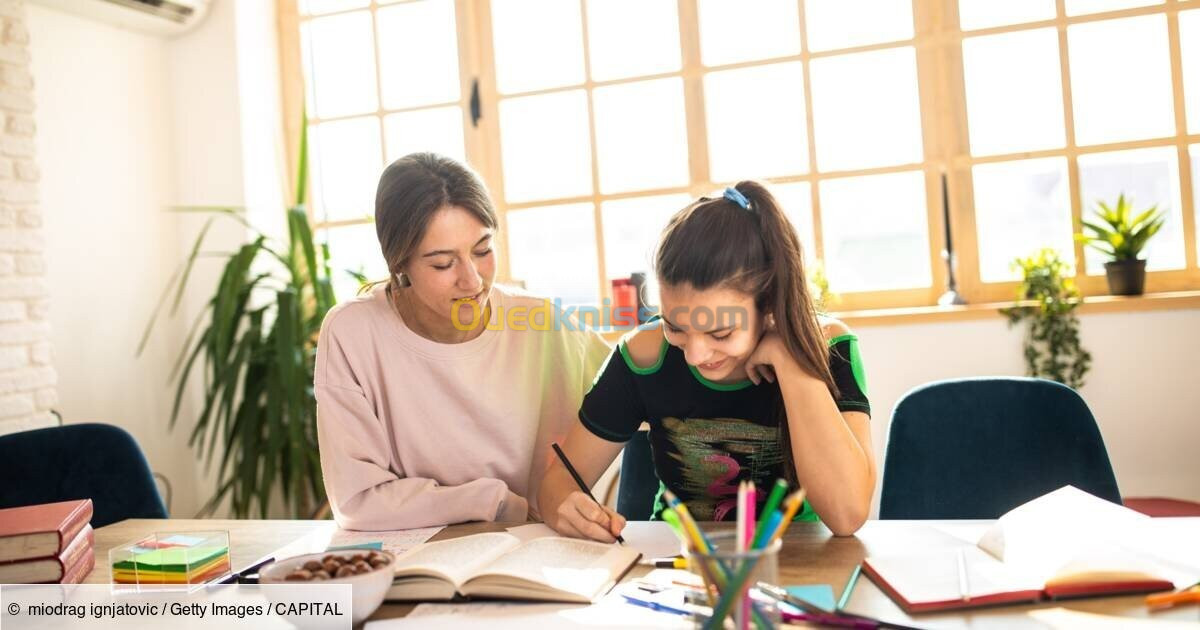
[(432, 408), (739, 380)]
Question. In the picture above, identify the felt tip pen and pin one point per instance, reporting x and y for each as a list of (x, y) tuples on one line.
[(670, 563)]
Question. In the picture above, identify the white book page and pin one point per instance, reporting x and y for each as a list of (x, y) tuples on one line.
[(1067, 619), (1172, 543), (456, 559), (566, 564), (935, 576), (1042, 536), (653, 539)]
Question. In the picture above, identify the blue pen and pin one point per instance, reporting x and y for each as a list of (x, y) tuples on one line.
[(660, 607)]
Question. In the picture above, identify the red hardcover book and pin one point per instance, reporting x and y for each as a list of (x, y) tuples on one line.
[(78, 572), (54, 568), (41, 531), (1064, 544), (931, 581)]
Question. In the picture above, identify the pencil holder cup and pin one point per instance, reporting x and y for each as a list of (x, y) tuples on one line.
[(729, 576)]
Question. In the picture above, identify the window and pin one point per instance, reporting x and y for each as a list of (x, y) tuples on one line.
[(601, 118), (1064, 111)]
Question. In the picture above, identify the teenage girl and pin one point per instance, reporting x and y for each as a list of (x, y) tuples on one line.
[(738, 380)]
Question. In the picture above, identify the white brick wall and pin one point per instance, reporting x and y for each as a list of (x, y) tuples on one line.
[(27, 376)]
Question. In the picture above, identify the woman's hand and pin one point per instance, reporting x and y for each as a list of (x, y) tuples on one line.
[(579, 516), (761, 364)]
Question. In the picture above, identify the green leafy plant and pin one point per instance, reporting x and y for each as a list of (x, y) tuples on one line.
[(1121, 237), (818, 288), (1052, 346), (255, 343)]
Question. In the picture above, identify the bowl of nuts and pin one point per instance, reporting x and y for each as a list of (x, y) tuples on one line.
[(369, 572)]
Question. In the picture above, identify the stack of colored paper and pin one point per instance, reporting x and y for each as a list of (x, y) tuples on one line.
[(174, 558)]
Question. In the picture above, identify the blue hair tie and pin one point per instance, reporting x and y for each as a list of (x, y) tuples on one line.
[(737, 197)]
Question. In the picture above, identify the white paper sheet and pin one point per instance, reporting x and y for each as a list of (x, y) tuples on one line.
[(1067, 619), (654, 539), (396, 541), (612, 611)]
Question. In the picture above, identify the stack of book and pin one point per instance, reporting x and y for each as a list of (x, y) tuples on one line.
[(46, 543)]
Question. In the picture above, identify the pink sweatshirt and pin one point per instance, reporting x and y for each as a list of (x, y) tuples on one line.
[(415, 433)]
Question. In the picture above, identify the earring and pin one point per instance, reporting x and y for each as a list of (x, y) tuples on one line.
[(403, 281)]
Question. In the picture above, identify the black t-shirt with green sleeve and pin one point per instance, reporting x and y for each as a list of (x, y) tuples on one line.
[(707, 437)]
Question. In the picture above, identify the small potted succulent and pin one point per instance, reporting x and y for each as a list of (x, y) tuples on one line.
[(1121, 235)]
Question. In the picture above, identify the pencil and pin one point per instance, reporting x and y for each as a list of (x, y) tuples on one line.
[(792, 504), (773, 501), (742, 513), (689, 523), (579, 480), (845, 598)]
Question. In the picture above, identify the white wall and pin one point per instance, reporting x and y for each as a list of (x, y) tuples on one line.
[(1144, 387), (129, 126), (104, 126)]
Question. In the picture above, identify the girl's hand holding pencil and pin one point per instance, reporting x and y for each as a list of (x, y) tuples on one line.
[(580, 516)]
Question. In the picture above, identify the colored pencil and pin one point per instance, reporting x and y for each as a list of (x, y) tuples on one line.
[(793, 504), (773, 500), (845, 598)]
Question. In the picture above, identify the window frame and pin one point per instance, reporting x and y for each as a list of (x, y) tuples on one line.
[(937, 42)]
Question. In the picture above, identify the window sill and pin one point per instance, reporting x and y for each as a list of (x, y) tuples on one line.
[(1091, 305), (936, 314)]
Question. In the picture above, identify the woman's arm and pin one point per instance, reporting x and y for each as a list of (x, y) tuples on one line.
[(366, 494), (831, 448), (563, 505)]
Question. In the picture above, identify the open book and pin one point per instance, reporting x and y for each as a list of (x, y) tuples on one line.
[(1064, 544), (500, 566)]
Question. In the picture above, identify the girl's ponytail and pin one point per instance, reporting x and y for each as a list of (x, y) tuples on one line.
[(786, 295), (789, 303)]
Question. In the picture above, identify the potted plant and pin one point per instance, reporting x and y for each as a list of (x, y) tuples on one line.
[(257, 348), (1052, 346), (1122, 237)]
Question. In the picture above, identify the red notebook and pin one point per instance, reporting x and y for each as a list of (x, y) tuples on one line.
[(930, 581), (1064, 544), (41, 531), (55, 568)]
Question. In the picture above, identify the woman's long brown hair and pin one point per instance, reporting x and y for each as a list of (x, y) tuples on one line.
[(716, 243), (411, 191)]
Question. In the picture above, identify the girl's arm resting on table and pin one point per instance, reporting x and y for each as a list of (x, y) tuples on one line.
[(366, 494), (831, 448), (567, 509)]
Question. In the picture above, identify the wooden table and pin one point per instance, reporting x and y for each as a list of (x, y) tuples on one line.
[(250, 542), (810, 555)]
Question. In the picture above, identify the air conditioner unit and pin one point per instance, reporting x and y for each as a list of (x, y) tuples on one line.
[(157, 17)]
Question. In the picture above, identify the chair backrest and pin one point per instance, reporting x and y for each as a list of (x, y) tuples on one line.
[(638, 483), (976, 448), (100, 462)]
